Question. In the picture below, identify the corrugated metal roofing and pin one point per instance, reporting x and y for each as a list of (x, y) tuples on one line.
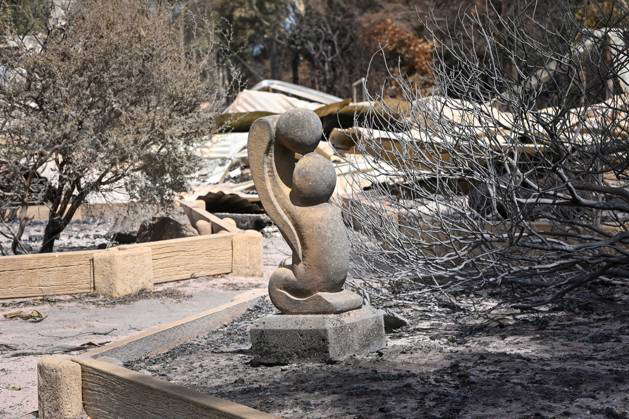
[(297, 91), (254, 101), (224, 146)]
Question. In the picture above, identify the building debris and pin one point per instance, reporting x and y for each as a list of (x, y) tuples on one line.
[(256, 222), (393, 321), (256, 101), (301, 92), (34, 316), (163, 228), (229, 202), (238, 121), (219, 155), (224, 183)]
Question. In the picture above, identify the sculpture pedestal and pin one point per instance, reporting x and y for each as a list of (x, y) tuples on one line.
[(286, 338)]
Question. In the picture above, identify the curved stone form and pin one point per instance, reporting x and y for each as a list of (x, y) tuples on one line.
[(296, 197)]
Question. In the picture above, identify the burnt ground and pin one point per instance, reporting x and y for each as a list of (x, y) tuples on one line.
[(75, 324), (102, 319), (571, 360), (79, 235)]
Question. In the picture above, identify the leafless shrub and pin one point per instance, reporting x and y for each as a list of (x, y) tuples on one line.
[(107, 101), (515, 172)]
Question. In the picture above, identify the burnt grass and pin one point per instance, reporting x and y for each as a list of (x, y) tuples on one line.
[(571, 360)]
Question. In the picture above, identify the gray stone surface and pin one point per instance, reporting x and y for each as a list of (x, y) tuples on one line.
[(300, 130), (286, 338)]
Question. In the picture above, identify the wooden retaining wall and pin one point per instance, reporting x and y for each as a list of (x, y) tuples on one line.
[(73, 272), (96, 384), (111, 391), (189, 257), (48, 274)]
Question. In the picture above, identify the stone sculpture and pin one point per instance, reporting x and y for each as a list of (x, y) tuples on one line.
[(296, 196), (320, 321)]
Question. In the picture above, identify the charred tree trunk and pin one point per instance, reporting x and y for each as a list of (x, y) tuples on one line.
[(53, 229), (59, 219), (275, 60), (295, 67)]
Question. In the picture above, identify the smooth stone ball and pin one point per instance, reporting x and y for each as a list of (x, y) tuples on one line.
[(314, 179), (299, 130)]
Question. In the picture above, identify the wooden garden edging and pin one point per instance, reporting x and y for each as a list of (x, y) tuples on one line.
[(47, 274), (189, 257), (165, 336), (110, 391), (95, 384), (128, 269)]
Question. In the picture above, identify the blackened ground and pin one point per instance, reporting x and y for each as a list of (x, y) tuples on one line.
[(564, 362)]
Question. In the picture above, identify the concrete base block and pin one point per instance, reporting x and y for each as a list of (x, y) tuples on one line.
[(59, 388), (286, 338), (122, 272)]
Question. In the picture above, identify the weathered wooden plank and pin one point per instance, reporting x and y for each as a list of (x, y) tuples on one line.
[(196, 214), (72, 272), (110, 391), (163, 337), (46, 274), (190, 257)]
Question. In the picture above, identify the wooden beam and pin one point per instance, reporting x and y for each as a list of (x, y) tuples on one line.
[(110, 391), (189, 257), (196, 214), (46, 274)]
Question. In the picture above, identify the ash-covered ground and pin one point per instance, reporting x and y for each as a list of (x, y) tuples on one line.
[(570, 361), (78, 235), (102, 320)]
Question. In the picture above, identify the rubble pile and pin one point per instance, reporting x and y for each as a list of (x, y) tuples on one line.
[(225, 183)]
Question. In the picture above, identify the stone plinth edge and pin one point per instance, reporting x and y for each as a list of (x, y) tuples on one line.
[(287, 338), (59, 388)]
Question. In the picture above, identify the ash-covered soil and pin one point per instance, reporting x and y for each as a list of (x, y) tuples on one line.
[(564, 362), (75, 324), (78, 235)]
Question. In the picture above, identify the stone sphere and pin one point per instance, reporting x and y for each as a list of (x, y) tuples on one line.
[(314, 179), (299, 130)]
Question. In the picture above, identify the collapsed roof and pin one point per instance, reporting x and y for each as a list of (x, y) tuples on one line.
[(276, 96)]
